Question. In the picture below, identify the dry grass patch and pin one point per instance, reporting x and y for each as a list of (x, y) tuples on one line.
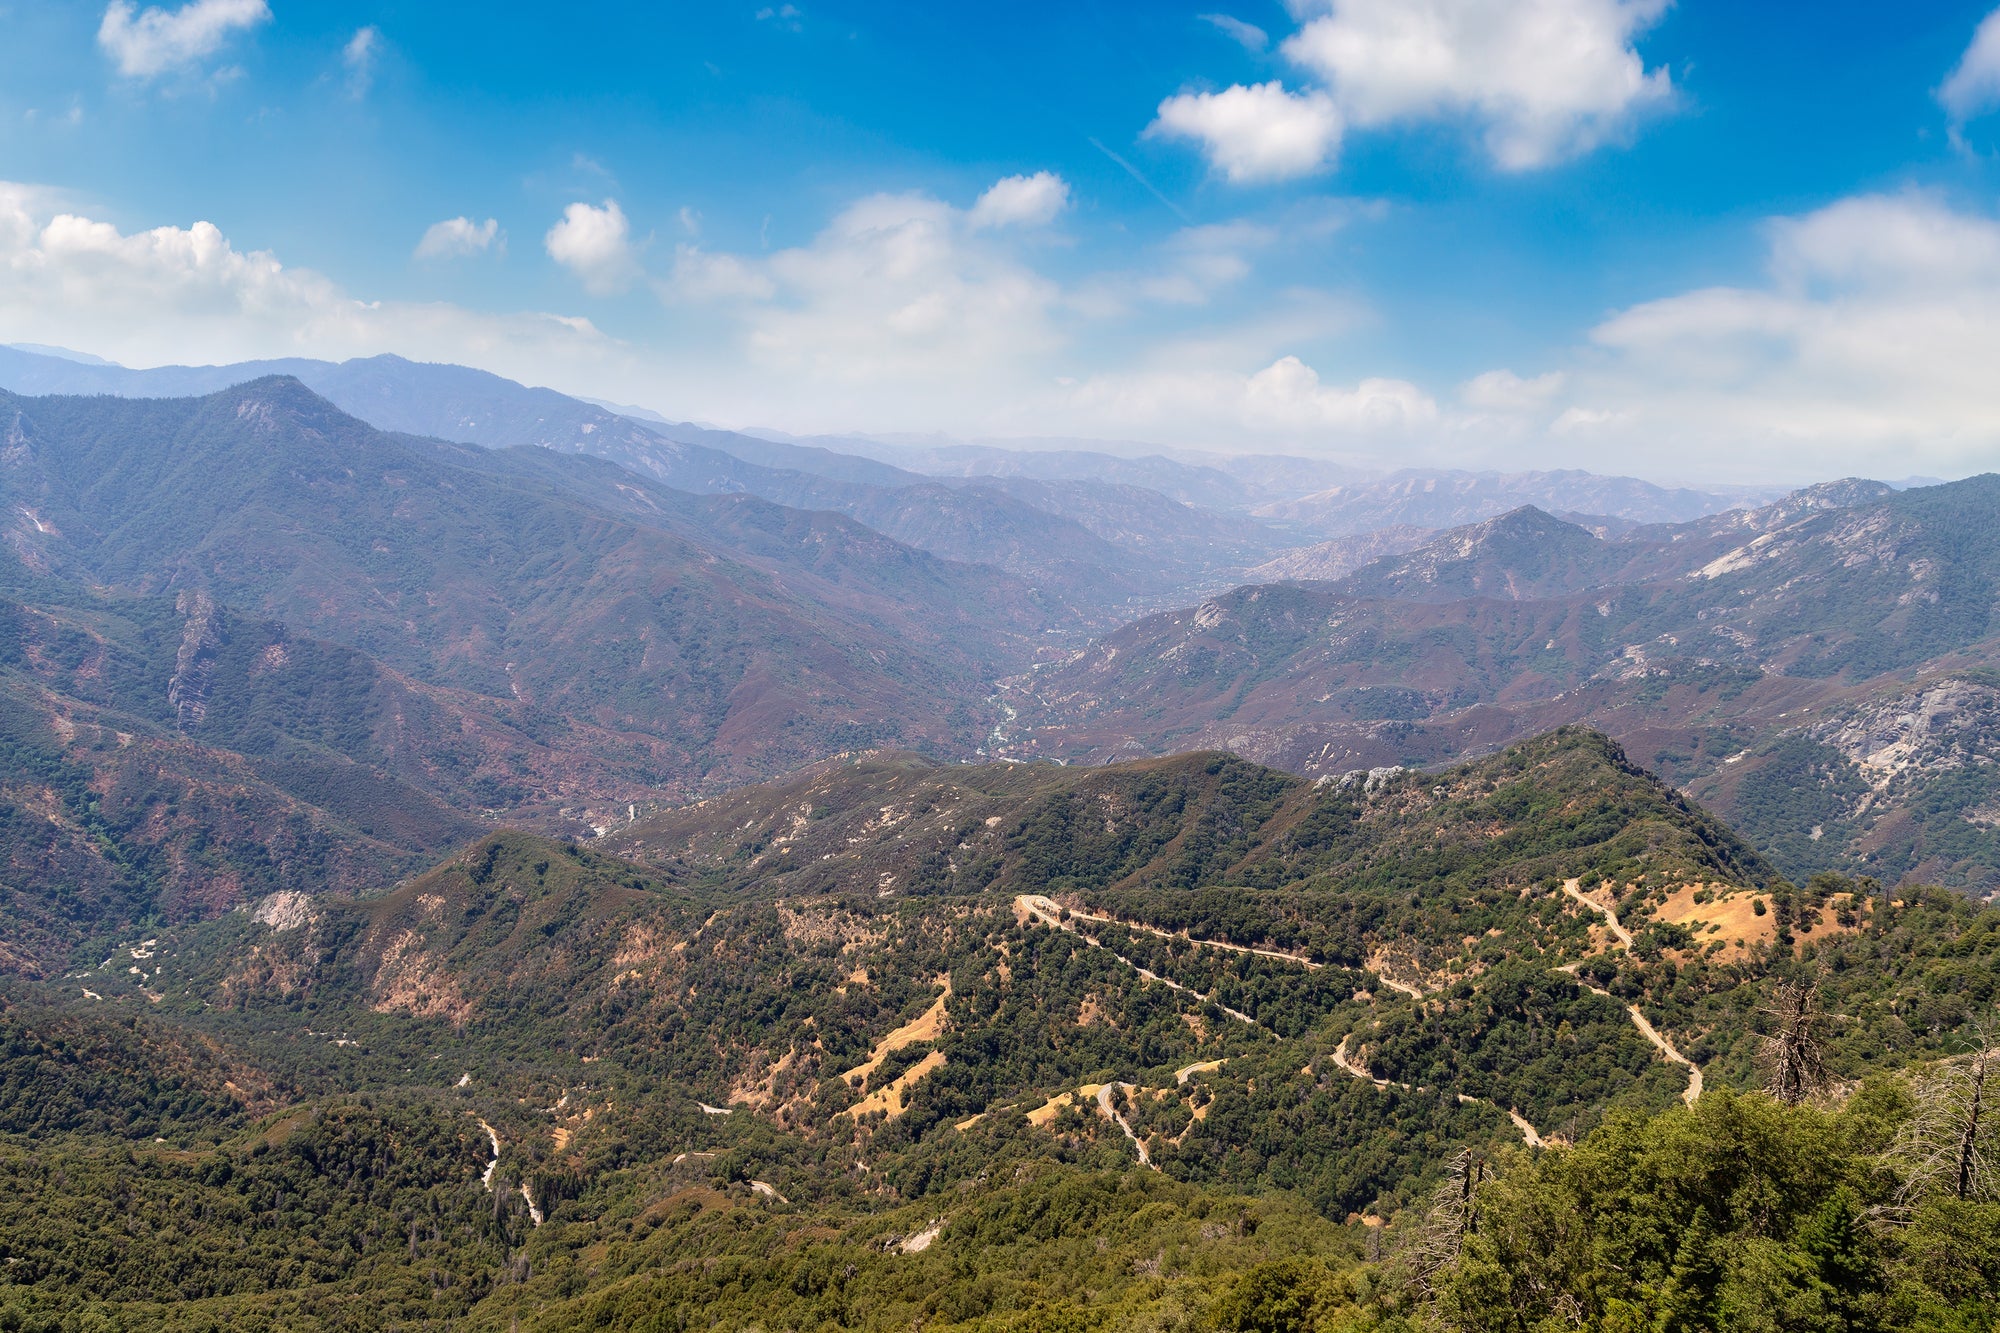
[(893, 1098), (1733, 912), (927, 1026)]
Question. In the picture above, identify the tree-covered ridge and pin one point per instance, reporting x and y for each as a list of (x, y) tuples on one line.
[(1233, 1025), (1569, 801), (1738, 1213)]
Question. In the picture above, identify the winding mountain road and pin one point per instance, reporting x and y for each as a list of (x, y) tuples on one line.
[(1668, 1051), (1051, 911), (1033, 906), (1574, 888), (1529, 1134), (1110, 1112)]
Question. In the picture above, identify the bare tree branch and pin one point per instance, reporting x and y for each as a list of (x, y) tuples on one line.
[(1946, 1148), (1795, 1056)]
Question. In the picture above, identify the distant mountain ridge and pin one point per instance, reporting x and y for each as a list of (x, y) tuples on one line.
[(1520, 555), (1099, 549), (1725, 650), (300, 625), (1451, 499), (1109, 534)]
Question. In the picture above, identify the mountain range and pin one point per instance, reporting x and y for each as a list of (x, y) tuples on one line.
[(475, 857), (1105, 535), (1816, 669), (255, 600)]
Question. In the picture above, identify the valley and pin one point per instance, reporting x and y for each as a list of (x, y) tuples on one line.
[(520, 882), (1326, 667)]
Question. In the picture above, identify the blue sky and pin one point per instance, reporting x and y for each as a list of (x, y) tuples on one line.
[(1752, 241)]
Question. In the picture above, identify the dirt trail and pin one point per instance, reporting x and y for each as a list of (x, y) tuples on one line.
[(1533, 1139), (1666, 1048), (1529, 1135), (1340, 1058), (1104, 1096), (494, 1165), (1051, 911), (1034, 907), (1574, 888)]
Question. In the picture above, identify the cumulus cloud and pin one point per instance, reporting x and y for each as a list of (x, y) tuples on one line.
[(1870, 347), (894, 285), (1021, 201), (1548, 79), (160, 40), (595, 244), (1255, 133), (458, 238), (186, 294), (1973, 87), (359, 55)]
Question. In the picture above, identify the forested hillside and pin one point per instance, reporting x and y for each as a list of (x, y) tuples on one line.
[(893, 1041)]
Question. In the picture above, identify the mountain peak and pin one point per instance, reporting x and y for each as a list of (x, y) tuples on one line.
[(1525, 552)]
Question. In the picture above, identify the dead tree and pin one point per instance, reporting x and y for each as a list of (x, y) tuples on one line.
[(1453, 1215), (1795, 1055), (1944, 1150)]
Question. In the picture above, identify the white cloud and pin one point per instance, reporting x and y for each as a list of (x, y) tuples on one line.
[(595, 244), (1973, 87), (1023, 201), (1866, 344), (1871, 347), (1549, 79), (158, 40), (359, 55), (187, 295), (703, 277), (1285, 402), (1504, 391), (1190, 268), (1255, 133), (1246, 35), (897, 286), (458, 238)]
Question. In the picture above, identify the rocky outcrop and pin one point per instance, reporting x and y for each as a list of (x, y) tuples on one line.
[(1949, 724), (188, 688)]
